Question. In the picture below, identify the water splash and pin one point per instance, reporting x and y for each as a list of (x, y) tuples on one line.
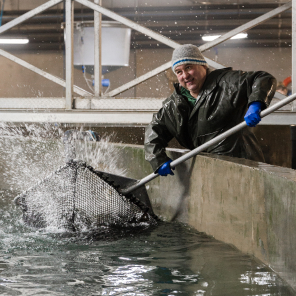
[(30, 152), (102, 155)]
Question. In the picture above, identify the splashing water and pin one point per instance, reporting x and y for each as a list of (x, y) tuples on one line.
[(102, 155), (27, 156), (29, 153)]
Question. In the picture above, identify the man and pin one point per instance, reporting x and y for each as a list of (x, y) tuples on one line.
[(205, 104), (281, 88)]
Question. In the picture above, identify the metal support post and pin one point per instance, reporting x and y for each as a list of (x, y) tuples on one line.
[(69, 54), (98, 49), (293, 127), (294, 50)]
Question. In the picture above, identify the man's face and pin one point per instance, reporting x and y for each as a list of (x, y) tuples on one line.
[(191, 77)]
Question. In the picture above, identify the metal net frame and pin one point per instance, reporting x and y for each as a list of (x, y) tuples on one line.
[(76, 197)]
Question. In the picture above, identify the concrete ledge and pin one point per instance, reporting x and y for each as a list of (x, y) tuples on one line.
[(248, 204)]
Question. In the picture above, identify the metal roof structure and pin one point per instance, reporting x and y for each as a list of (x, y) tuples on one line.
[(182, 21), (153, 23)]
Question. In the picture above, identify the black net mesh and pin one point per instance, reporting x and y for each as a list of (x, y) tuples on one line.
[(77, 197)]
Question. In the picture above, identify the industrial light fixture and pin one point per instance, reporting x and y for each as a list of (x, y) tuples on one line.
[(213, 37), (14, 41), (210, 38), (240, 36)]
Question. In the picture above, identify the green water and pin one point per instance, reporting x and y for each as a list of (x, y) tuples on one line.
[(169, 259)]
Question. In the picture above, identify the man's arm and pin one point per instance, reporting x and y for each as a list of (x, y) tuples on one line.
[(262, 92), (263, 88), (256, 89), (157, 137)]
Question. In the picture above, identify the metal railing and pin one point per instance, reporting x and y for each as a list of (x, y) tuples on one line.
[(98, 9)]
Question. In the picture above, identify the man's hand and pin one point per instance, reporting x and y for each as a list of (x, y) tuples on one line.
[(165, 169), (252, 117)]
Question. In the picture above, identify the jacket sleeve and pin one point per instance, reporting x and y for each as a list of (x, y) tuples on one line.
[(157, 137), (261, 87)]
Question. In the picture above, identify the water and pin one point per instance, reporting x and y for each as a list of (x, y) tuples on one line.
[(168, 259)]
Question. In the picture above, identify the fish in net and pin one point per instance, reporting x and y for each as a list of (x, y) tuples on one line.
[(76, 197)]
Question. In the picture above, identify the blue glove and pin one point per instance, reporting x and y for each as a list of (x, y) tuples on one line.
[(165, 169), (252, 117)]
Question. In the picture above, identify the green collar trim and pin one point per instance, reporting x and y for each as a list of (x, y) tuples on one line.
[(186, 93)]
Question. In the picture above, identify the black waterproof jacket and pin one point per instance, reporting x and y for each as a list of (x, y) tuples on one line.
[(224, 100)]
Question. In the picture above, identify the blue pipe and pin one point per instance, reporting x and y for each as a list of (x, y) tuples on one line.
[(2, 9)]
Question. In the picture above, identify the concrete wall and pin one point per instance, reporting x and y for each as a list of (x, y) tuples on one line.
[(247, 204), (16, 81)]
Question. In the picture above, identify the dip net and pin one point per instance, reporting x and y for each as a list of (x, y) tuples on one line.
[(76, 197)]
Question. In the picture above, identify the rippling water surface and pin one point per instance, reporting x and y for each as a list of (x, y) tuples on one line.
[(169, 259)]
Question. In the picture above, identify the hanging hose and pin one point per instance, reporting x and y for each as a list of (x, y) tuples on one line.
[(88, 81)]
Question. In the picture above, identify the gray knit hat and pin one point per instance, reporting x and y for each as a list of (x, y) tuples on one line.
[(187, 54)]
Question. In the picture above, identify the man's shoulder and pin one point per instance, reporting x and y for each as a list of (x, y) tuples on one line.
[(219, 72), (227, 75), (214, 77)]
